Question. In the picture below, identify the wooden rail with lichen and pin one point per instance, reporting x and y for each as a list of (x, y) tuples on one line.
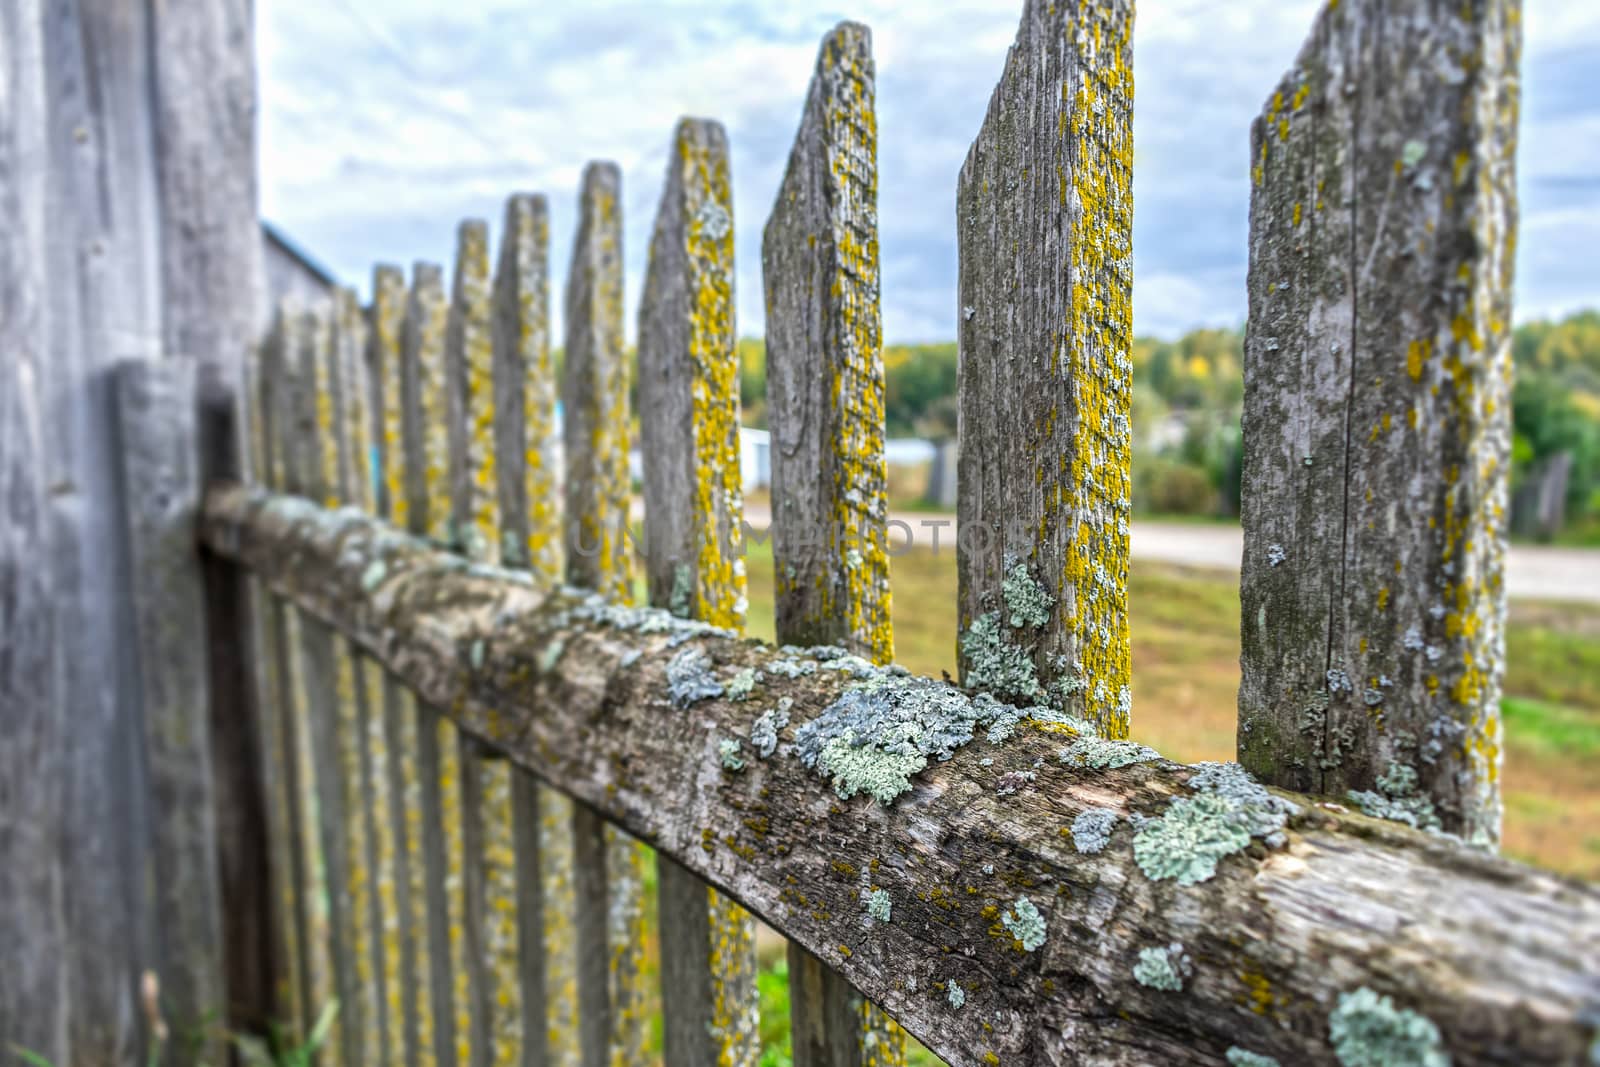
[(465, 763), (1043, 916)]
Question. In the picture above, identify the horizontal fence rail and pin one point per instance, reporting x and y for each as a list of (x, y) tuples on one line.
[(1135, 911)]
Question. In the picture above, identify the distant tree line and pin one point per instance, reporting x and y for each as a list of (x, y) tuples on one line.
[(1187, 396)]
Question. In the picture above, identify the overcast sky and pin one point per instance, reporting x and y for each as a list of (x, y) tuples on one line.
[(384, 122)]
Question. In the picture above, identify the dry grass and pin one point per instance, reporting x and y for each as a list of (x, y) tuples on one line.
[(1185, 625)]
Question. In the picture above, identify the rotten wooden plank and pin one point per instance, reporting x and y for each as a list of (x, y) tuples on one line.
[(1279, 934), (694, 511), (1044, 216), (607, 864), (825, 395), (1377, 412)]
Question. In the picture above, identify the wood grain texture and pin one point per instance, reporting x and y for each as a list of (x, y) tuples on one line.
[(694, 513), (33, 764), (819, 257), (1500, 957), (608, 866), (825, 395), (102, 304), (158, 438), (1044, 217), (202, 118), (1377, 411)]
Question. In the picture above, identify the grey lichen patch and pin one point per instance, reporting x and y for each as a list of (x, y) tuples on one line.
[(1194, 833), (764, 731), (1397, 799), (954, 994), (475, 654), (743, 683), (1238, 1057), (1091, 830), (1163, 968), (996, 665), (1103, 755), (552, 654), (1013, 782), (682, 597), (879, 733), (1367, 1030), (1027, 602), (689, 678), (879, 906), (373, 575), (791, 667), (1025, 924), (728, 748)]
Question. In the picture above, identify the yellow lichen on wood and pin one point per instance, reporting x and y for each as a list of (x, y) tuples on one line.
[(470, 366), (500, 900), (426, 316), (455, 862), (384, 322)]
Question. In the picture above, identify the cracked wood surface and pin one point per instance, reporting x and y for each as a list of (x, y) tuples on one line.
[(1502, 958)]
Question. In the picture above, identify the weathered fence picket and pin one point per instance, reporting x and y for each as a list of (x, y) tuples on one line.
[(410, 992), (475, 405), (426, 445), (156, 413), (1044, 219), (311, 694), (694, 511), (1377, 412), (262, 380), (524, 390), (825, 396), (607, 864)]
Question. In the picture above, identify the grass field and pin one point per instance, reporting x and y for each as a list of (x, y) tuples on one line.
[(1185, 627)]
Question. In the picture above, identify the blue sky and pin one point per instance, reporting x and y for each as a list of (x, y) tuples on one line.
[(385, 122)]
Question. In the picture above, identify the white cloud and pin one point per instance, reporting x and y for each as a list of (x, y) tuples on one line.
[(384, 122)]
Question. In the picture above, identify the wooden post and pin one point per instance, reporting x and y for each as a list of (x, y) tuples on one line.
[(157, 435), (830, 507), (607, 864), (33, 763), (1044, 215), (524, 406), (410, 999), (689, 390), (426, 440), (1377, 413)]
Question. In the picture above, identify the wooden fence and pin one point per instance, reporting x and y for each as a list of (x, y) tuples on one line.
[(471, 736)]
